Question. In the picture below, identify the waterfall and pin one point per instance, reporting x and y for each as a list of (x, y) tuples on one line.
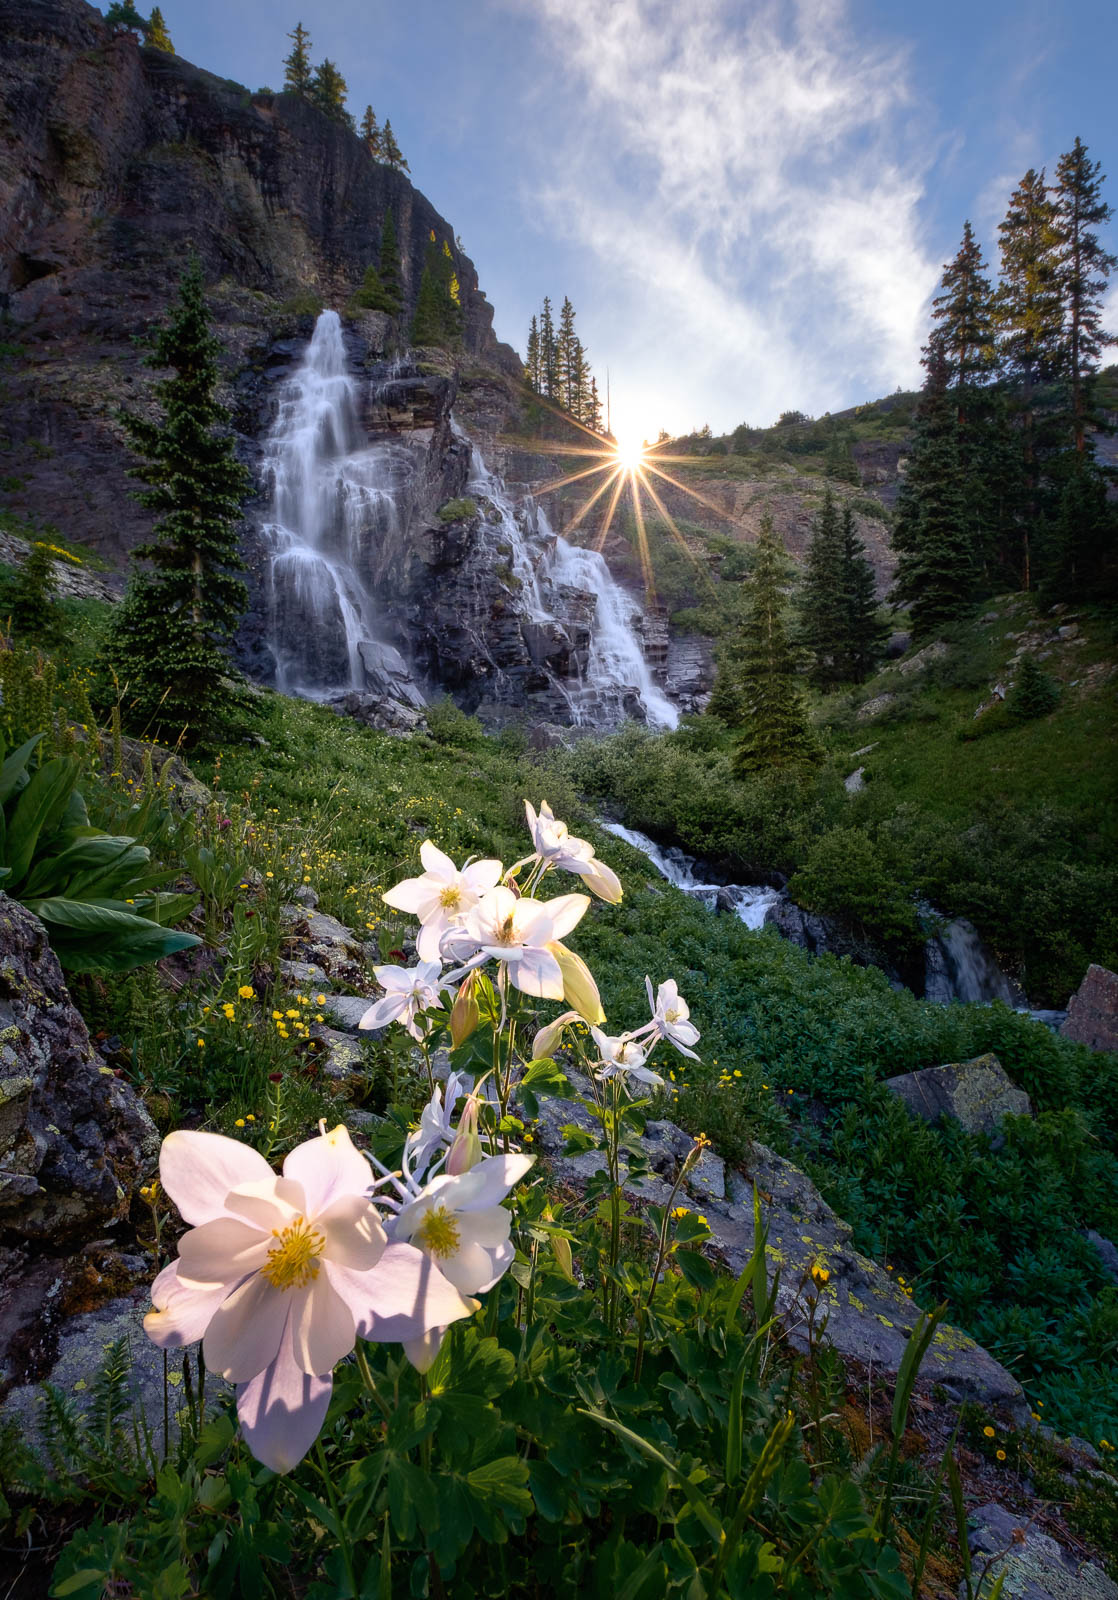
[(959, 967), (332, 496), (616, 671), (750, 903)]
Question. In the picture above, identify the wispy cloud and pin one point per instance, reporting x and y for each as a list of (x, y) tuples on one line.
[(748, 180)]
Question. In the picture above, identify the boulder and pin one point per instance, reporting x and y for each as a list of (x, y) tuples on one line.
[(1093, 1011), (923, 658), (1031, 1563), (75, 1140), (346, 1010), (874, 707), (977, 1094)]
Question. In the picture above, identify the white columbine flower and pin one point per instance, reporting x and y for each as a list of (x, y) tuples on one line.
[(669, 1018), (435, 1131), (280, 1276), (624, 1057), (556, 846), (459, 1223), (519, 932), (441, 896), (409, 991)]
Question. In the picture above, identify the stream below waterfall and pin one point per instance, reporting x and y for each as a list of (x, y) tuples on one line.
[(958, 966)]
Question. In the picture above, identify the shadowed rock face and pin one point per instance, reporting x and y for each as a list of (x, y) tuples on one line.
[(116, 161)]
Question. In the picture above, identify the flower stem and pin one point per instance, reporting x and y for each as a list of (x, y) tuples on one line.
[(343, 1543)]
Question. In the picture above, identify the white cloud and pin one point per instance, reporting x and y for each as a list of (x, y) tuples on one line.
[(748, 180)]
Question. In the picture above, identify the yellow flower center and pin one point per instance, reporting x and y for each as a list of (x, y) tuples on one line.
[(438, 1232), (671, 1016), (293, 1260), (450, 899)]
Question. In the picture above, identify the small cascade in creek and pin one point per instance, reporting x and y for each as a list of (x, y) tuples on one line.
[(959, 967), (750, 903), (557, 581), (333, 496)]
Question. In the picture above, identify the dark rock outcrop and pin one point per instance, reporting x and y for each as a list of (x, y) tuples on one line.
[(1093, 1011), (74, 1139), (977, 1094)]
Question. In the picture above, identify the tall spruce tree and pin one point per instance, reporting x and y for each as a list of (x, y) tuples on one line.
[(776, 731), (963, 312), (1028, 323), (438, 315), (392, 152), (388, 266), (328, 91), (532, 363), (864, 629), (822, 611), (593, 417), (549, 373), (297, 72), (170, 639), (933, 534), (156, 32), (370, 132), (1084, 269), (565, 354), (839, 462)]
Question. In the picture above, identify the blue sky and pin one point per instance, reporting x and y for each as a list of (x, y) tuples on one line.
[(749, 204)]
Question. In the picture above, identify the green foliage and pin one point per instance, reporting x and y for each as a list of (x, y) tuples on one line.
[(169, 642), (297, 66), (97, 894), (372, 295), (33, 612), (1035, 692), (327, 91), (848, 874), (157, 36), (457, 510), (438, 308)]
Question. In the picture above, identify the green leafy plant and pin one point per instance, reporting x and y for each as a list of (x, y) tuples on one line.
[(96, 893)]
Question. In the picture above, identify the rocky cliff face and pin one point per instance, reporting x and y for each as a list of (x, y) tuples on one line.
[(115, 161)]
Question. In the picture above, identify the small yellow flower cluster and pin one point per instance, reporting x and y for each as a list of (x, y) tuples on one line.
[(680, 1211), (241, 1121), (726, 1077), (819, 1274)]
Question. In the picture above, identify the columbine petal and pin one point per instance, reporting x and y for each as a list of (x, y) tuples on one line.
[(327, 1167), (323, 1328), (566, 912), (199, 1169), (487, 1184), (437, 862), (470, 1268), (382, 1012), (223, 1251), (267, 1205), (182, 1310), (282, 1410), (481, 876), (536, 972), (244, 1333), (602, 881), (413, 895), (547, 1039), (579, 987), (401, 1298), (421, 1352), (353, 1232)]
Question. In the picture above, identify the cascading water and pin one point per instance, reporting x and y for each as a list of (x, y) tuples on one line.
[(751, 903), (616, 671), (333, 496)]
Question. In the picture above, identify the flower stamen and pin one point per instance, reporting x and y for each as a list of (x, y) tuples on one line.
[(293, 1262), (438, 1233)]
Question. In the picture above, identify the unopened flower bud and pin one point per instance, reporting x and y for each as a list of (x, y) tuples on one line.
[(464, 1014), (465, 1152), (579, 988)]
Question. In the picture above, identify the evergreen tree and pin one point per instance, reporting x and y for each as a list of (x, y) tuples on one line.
[(935, 570), (963, 311), (1035, 692), (1027, 318), (840, 462), (122, 16), (776, 729), (1084, 537), (169, 640), (157, 35), (864, 630), (370, 132), (328, 92), (594, 407), (438, 316), (822, 609), (388, 266), (297, 66), (33, 613), (392, 152), (1084, 268), (549, 380), (565, 355), (532, 364)]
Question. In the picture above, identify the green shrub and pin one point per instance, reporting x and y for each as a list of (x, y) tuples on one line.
[(457, 510), (1034, 694)]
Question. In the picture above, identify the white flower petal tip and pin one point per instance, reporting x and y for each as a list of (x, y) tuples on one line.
[(198, 1170)]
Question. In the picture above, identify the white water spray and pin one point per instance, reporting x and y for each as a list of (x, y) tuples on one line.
[(750, 902)]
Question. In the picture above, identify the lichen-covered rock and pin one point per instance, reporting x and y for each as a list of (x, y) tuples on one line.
[(1093, 1011), (74, 1140), (1035, 1567), (978, 1094)]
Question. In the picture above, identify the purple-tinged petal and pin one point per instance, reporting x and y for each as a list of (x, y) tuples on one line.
[(421, 1352), (282, 1410), (537, 973), (327, 1167), (199, 1169), (223, 1251), (267, 1205), (183, 1311), (244, 1333), (403, 1296), (323, 1328), (354, 1234)]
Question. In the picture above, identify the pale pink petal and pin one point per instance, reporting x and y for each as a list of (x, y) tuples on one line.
[(382, 1012), (267, 1205), (182, 1310), (413, 895), (354, 1235), (566, 912), (223, 1251), (481, 876), (403, 1296), (282, 1410), (602, 881), (488, 1226), (436, 863), (244, 1333), (487, 1184), (199, 1169), (421, 1352), (323, 1328), (470, 1269), (538, 973), (327, 1167)]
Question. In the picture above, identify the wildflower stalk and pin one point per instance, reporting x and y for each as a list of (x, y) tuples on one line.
[(343, 1542), (661, 1255)]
